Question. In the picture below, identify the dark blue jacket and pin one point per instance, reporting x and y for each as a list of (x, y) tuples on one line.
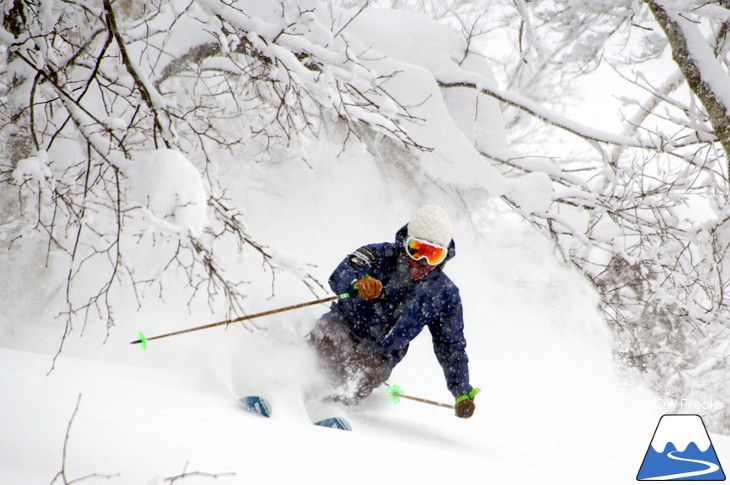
[(387, 325)]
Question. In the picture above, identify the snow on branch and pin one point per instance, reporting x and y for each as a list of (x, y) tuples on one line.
[(704, 73), (524, 104), (154, 100), (310, 72)]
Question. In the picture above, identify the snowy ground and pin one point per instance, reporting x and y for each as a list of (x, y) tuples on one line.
[(551, 410)]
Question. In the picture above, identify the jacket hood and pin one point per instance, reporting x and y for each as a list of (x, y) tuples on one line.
[(402, 234)]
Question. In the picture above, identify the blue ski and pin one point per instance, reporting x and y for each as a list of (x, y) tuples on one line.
[(256, 404), (335, 423), (259, 405)]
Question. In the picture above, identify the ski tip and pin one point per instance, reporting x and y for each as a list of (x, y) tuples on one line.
[(335, 423), (256, 404)]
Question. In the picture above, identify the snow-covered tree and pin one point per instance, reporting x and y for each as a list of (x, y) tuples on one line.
[(96, 94), (644, 214)]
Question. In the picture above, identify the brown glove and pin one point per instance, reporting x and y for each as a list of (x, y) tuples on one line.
[(465, 406), (465, 409), (368, 288)]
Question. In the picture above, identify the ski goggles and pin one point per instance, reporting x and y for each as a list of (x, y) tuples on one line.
[(418, 250)]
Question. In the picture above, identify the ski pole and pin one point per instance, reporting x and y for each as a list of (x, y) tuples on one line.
[(396, 393), (143, 340)]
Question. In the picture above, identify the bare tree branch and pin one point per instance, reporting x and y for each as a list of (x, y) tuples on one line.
[(61, 475), (186, 474)]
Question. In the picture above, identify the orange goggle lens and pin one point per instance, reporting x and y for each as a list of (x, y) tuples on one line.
[(421, 250)]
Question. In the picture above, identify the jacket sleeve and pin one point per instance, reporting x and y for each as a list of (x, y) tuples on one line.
[(356, 265), (449, 345)]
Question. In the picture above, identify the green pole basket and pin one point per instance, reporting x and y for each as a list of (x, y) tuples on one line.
[(142, 341), (394, 393)]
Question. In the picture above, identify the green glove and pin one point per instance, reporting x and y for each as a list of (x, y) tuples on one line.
[(465, 404)]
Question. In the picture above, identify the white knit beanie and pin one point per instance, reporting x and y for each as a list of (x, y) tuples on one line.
[(431, 224)]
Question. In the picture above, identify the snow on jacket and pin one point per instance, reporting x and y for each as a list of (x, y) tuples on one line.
[(388, 324)]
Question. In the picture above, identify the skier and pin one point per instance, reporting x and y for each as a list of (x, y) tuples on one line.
[(400, 288)]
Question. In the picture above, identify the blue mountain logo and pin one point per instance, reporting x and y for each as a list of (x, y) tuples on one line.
[(681, 450)]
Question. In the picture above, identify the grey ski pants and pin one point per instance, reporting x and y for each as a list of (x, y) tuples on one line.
[(353, 370)]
